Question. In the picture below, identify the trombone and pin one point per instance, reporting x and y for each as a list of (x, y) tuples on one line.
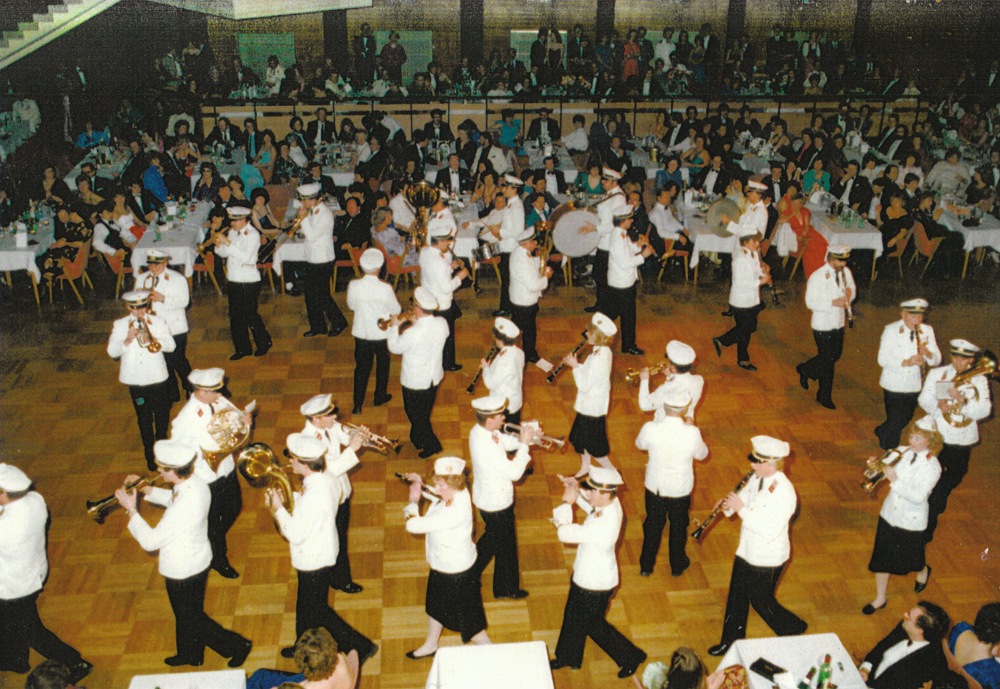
[(547, 443), (99, 509), (632, 374), (379, 443)]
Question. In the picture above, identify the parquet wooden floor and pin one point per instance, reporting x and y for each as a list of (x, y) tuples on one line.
[(67, 421)]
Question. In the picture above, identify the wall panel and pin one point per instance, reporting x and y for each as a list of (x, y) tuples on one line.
[(308, 30), (439, 16)]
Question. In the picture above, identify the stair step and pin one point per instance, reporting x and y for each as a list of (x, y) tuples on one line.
[(43, 18), (58, 9), (27, 26), (11, 35)]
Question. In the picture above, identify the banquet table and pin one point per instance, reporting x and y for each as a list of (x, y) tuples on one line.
[(986, 234), (294, 249), (178, 238), (833, 231), (704, 239), (536, 161), (14, 258), (491, 666), (219, 679), (796, 654), (111, 170)]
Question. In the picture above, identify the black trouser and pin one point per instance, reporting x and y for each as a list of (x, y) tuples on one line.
[(418, 405), (341, 575), (451, 315), (21, 629), (194, 629), (658, 510), (367, 352), (621, 303), (829, 347), (750, 585), (583, 617), (177, 362), (499, 539), (320, 306), (899, 408), (601, 279), (312, 609), (524, 317), (243, 316), (745, 325), (227, 502), (954, 461), (504, 265), (152, 411)]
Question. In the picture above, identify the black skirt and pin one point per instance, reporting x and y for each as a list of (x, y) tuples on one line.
[(590, 434), (897, 551), (455, 600)]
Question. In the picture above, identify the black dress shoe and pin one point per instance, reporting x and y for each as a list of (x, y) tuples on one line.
[(367, 656), (288, 652), (746, 366), (827, 403), (719, 649), (679, 572), (532, 359), (177, 661), (237, 356), (517, 595), (591, 309), (151, 465), (629, 670), (261, 351), (227, 571), (356, 410), (634, 351), (453, 368), (411, 656), (78, 671), (313, 333), (351, 588), (919, 587), (556, 664), (727, 313), (645, 573), (803, 378), (385, 400), (871, 609), (718, 346), (424, 454), (241, 655), (336, 331)]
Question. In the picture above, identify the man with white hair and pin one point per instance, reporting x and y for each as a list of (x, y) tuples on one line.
[(371, 300)]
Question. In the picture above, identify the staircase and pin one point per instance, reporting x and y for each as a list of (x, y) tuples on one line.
[(32, 35)]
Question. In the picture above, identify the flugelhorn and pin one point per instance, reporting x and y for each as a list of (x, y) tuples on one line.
[(562, 364), (696, 535), (379, 443), (545, 442), (144, 337), (494, 350), (874, 471), (99, 509), (632, 374)]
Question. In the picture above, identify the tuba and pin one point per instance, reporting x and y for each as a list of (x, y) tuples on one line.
[(986, 365), (423, 196), (261, 469), (230, 431)]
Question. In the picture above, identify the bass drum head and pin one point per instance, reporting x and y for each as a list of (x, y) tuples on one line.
[(566, 236)]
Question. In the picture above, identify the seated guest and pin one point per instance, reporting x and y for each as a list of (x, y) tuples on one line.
[(576, 141), (911, 191), (416, 152), (686, 671), (142, 203), (537, 210), (376, 167), (207, 188), (616, 158), (979, 193), (895, 221), (386, 236), (152, 180), (667, 220), (870, 167), (320, 131), (554, 179), (911, 655), (852, 189), (949, 175), (437, 129), (72, 231), (315, 176), (713, 179), (110, 238), (91, 138), (539, 187), (671, 172), (911, 167), (320, 663), (486, 191), (590, 183), (816, 179), (950, 255), (351, 229), (543, 125), (285, 168), (454, 178), (972, 650), (298, 133)]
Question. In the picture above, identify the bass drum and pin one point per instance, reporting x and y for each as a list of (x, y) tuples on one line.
[(566, 236)]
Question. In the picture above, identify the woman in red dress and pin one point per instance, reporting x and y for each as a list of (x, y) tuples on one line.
[(630, 60), (800, 220)]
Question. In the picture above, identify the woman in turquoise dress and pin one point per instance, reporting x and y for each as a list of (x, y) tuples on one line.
[(510, 130)]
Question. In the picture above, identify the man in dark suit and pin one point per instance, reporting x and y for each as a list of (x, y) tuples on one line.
[(364, 54), (885, 139), (135, 166), (555, 180), (223, 133), (543, 124), (842, 120), (316, 176), (454, 178), (856, 189), (713, 179), (437, 128), (721, 118), (417, 152), (319, 131), (691, 119), (376, 167), (351, 228), (538, 50), (515, 67), (912, 654)]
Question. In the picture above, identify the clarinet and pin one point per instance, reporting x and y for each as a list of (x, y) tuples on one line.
[(558, 369), (696, 535), (479, 374)]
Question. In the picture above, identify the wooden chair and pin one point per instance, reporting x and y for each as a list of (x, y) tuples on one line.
[(922, 245), (394, 267), (77, 268), (495, 262), (898, 253), (118, 267), (208, 266), (268, 266), (671, 254), (355, 255), (803, 241)]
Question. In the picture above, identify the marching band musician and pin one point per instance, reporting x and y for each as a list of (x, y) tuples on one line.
[(239, 246), (829, 293), (672, 446), (322, 423), (765, 505), (371, 300), (527, 284), (436, 266), (24, 568), (169, 296), (181, 536), (453, 598), (493, 492), (680, 358), (422, 348), (317, 229), (312, 538), (508, 233), (966, 404), (595, 572), (906, 347), (142, 370), (504, 376), (899, 538), (589, 434), (624, 258), (610, 205), (744, 295), (192, 427), (754, 217)]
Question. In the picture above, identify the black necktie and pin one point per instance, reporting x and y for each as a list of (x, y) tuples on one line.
[(913, 336), (837, 276), (760, 485)]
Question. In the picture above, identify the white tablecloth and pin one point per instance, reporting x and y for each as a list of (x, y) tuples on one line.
[(704, 239), (796, 654), (986, 234), (13, 258), (110, 171), (564, 162), (181, 242), (220, 679), (494, 666), (864, 237)]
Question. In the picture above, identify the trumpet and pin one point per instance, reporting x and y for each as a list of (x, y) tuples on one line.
[(547, 443), (494, 350), (558, 369), (874, 472), (379, 443), (144, 337), (632, 374), (210, 241), (405, 321), (697, 533), (99, 509), (429, 492)]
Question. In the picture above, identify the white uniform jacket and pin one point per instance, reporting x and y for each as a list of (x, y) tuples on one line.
[(900, 343), (667, 226), (448, 526), (181, 535), (371, 299), (747, 273), (310, 529), (493, 472), (139, 366), (317, 228), (504, 376), (422, 348), (191, 427), (607, 209), (754, 218), (977, 408), (512, 224), (23, 562), (176, 297), (241, 254), (672, 446), (654, 401), (338, 462), (624, 257), (593, 383), (905, 506), (595, 567), (768, 504), (526, 281), (435, 275), (821, 289)]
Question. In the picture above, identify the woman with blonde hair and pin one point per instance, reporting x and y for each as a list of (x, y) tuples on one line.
[(686, 671)]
